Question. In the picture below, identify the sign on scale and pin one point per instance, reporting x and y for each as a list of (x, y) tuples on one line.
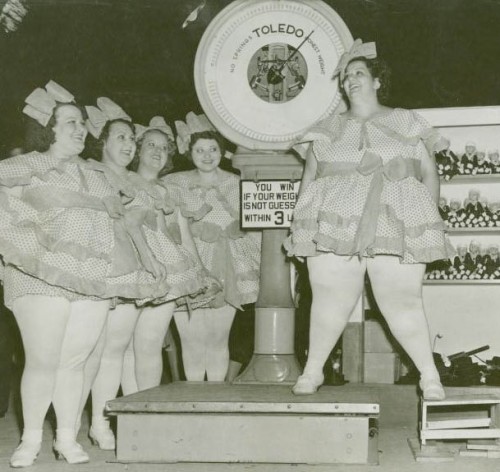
[(267, 204)]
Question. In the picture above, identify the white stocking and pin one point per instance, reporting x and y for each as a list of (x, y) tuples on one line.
[(129, 382), (192, 333), (42, 323), (119, 330), (336, 283), (398, 290), (218, 323), (85, 324), (149, 336)]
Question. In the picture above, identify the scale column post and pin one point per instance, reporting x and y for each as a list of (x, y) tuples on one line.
[(274, 360)]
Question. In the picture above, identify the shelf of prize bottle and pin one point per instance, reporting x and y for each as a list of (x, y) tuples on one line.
[(473, 230), (469, 178), (461, 281)]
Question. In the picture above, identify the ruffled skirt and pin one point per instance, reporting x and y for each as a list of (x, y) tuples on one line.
[(337, 214)]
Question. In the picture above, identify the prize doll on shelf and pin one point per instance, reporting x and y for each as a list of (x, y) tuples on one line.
[(462, 263), (477, 261), (443, 208), (456, 214), (494, 158), (494, 213), (492, 262), (474, 209), (447, 163), (468, 162), (483, 165)]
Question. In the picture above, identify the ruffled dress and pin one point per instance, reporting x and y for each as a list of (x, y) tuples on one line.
[(230, 255), (185, 276), (63, 232), (368, 197)]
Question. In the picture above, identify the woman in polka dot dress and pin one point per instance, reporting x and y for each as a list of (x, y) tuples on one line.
[(148, 202), (210, 198), (64, 243), (368, 203)]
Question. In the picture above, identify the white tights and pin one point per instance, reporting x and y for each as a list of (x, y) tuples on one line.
[(58, 337), (204, 338), (337, 283), (106, 379), (143, 363)]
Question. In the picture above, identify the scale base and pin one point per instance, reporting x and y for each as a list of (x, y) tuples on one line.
[(270, 369)]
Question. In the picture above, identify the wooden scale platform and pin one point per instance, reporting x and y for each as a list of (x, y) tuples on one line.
[(217, 422)]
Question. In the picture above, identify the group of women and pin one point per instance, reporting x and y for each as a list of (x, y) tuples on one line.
[(98, 253), (98, 258)]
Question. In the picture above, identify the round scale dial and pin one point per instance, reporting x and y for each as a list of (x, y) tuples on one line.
[(263, 69)]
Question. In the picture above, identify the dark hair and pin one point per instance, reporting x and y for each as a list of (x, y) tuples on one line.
[(169, 165), (95, 146), (380, 70), (207, 135), (40, 138)]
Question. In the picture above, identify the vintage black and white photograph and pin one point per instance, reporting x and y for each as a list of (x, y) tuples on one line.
[(250, 235)]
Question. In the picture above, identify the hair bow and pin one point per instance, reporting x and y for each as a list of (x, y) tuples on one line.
[(194, 124), (157, 123), (41, 102), (358, 49), (106, 110)]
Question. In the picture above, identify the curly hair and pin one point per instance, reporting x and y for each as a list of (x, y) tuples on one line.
[(95, 146), (379, 69), (169, 165), (40, 138), (209, 134)]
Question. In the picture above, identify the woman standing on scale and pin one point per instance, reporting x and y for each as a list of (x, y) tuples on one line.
[(368, 203)]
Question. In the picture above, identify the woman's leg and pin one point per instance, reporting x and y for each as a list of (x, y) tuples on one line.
[(149, 336), (336, 284), (89, 374), (218, 323), (398, 290), (85, 324), (119, 330), (42, 322), (192, 333), (129, 381)]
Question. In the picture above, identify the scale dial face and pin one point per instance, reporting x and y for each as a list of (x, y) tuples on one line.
[(263, 70)]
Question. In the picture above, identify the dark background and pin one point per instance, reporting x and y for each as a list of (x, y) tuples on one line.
[(442, 52)]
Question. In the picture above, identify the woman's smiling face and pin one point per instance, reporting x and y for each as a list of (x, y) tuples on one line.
[(69, 131), (206, 155), (359, 81), (119, 148), (153, 154)]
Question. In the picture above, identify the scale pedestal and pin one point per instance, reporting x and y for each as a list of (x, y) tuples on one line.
[(274, 359), (217, 422)]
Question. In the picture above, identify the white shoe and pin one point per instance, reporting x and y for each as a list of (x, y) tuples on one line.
[(71, 451), (307, 384), (25, 454), (103, 438), (432, 389)]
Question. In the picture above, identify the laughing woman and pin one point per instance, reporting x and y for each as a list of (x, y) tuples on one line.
[(148, 203), (228, 254), (368, 204), (59, 246)]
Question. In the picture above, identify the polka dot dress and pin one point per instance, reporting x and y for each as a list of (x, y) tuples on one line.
[(368, 198), (229, 254), (185, 275), (63, 224)]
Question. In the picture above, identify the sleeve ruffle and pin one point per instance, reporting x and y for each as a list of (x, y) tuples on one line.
[(20, 170), (190, 203), (415, 130)]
